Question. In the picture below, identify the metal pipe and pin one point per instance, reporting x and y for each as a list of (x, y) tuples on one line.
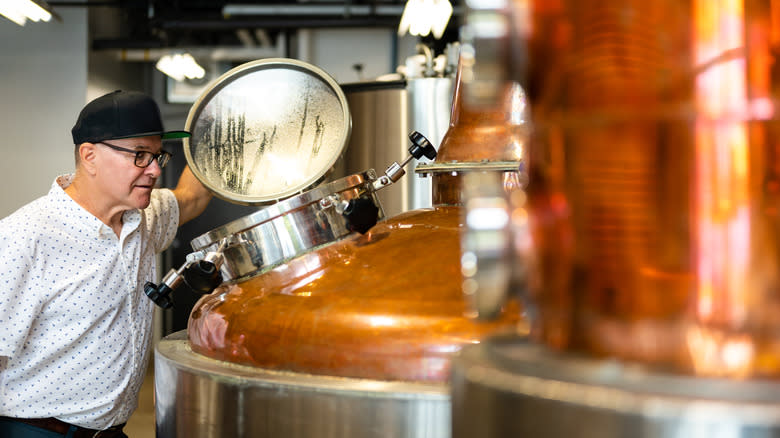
[(203, 53), (280, 23), (309, 9)]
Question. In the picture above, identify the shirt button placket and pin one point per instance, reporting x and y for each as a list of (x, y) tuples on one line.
[(128, 263)]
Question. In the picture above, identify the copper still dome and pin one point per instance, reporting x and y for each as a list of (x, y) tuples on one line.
[(384, 305)]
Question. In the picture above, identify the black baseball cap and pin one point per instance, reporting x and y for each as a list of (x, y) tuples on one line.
[(121, 114)]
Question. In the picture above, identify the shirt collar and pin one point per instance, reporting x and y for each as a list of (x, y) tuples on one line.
[(130, 219)]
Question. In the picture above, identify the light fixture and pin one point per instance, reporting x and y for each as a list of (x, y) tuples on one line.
[(421, 17), (19, 11), (180, 66)]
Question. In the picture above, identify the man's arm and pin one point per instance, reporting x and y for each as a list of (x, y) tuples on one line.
[(191, 195)]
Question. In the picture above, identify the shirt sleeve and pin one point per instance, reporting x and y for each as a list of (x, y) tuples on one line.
[(19, 303), (162, 218)]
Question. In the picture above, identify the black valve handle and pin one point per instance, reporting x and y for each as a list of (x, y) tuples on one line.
[(202, 276), (421, 146), (160, 295), (361, 214)]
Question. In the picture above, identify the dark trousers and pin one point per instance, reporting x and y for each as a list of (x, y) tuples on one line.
[(16, 429)]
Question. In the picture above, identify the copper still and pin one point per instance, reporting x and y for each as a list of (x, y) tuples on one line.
[(487, 138), (315, 329), (648, 233), (385, 304)]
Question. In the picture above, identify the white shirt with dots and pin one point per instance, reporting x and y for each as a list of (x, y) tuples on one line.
[(75, 324)]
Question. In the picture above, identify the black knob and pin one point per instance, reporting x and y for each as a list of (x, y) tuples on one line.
[(421, 146), (160, 295), (361, 214), (202, 276)]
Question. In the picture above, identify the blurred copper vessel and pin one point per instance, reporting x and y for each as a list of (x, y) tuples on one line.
[(654, 187)]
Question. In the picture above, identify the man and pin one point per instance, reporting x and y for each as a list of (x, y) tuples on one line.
[(75, 324)]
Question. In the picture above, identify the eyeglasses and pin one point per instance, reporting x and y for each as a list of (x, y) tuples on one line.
[(143, 158)]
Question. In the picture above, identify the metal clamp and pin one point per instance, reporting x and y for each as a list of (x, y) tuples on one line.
[(469, 166), (361, 213)]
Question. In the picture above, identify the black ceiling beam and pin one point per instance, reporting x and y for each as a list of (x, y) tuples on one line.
[(278, 23)]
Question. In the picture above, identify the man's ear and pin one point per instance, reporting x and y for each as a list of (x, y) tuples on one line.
[(88, 157)]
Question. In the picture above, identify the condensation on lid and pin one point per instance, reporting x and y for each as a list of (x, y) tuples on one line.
[(266, 130)]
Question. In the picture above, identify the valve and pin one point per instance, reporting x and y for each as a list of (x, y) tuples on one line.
[(420, 147), (200, 272), (160, 295), (362, 212)]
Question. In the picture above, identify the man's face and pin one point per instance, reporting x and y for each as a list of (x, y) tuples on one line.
[(126, 185)]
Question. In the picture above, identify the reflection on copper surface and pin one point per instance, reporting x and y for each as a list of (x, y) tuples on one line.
[(395, 311), (654, 182), (718, 354), (723, 216)]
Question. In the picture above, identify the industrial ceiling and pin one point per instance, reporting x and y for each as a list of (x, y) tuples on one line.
[(138, 24)]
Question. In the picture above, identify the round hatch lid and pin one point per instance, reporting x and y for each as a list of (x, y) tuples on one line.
[(266, 130)]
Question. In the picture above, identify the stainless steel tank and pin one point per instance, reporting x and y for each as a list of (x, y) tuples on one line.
[(196, 396), (510, 387), (382, 114)]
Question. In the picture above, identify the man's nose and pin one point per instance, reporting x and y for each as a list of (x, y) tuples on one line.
[(154, 168)]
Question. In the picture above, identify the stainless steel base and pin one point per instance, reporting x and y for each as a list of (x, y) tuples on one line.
[(507, 387), (196, 396)]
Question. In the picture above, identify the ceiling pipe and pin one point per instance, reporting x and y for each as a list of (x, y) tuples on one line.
[(279, 23), (313, 9), (298, 16), (235, 54), (308, 9)]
